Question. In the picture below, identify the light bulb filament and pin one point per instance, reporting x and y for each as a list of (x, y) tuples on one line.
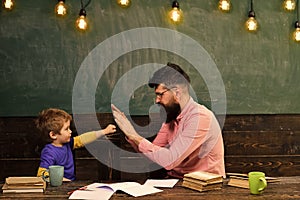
[(224, 5), (8, 4), (297, 35), (251, 24), (60, 8), (175, 15), (123, 3), (289, 5), (81, 22)]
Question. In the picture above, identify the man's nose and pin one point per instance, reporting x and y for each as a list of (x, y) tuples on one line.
[(157, 100)]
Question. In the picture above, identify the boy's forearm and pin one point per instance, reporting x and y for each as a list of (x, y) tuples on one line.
[(100, 133), (86, 138), (89, 137)]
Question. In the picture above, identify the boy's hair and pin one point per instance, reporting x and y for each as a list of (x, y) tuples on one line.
[(169, 75), (51, 119)]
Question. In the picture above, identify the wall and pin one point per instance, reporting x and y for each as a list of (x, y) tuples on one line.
[(268, 143), (40, 54)]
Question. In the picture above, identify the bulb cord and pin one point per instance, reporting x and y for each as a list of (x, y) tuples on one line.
[(83, 7), (297, 6)]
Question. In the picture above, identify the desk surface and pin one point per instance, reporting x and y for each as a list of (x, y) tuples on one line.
[(286, 188)]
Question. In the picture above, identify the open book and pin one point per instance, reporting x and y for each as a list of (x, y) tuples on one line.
[(103, 191), (132, 188)]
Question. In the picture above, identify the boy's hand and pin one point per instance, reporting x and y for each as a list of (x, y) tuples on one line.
[(66, 179), (109, 129)]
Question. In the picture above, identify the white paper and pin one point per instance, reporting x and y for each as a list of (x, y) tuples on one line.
[(96, 194), (165, 183), (121, 186), (141, 190), (103, 191)]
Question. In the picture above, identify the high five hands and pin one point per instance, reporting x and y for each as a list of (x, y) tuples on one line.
[(125, 125)]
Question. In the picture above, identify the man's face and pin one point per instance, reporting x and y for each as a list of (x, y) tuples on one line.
[(166, 98)]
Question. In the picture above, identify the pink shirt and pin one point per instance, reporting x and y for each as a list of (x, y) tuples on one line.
[(194, 144)]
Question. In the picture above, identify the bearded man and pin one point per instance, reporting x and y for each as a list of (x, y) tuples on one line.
[(190, 139)]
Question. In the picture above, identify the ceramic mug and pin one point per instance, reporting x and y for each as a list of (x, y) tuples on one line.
[(257, 182), (56, 175)]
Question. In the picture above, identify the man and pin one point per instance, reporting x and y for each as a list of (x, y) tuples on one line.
[(190, 139)]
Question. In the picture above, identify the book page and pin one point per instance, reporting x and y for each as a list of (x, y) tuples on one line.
[(204, 176), (113, 186), (40, 190), (166, 183), (141, 190), (123, 185), (24, 180), (132, 188), (96, 194)]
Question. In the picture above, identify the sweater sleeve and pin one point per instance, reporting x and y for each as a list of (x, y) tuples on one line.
[(83, 139), (42, 170)]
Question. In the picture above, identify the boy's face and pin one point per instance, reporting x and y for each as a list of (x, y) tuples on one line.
[(65, 134)]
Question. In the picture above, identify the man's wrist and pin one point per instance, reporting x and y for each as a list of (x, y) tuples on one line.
[(136, 139)]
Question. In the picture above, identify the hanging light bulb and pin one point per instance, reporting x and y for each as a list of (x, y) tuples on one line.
[(289, 5), (175, 14), (224, 5), (60, 8), (251, 24), (296, 34), (81, 22), (123, 3), (8, 4)]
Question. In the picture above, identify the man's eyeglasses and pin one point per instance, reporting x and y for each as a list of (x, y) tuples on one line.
[(160, 94)]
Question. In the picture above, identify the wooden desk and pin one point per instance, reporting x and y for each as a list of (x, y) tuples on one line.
[(287, 188)]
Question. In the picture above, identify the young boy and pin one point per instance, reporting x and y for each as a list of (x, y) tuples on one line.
[(54, 124)]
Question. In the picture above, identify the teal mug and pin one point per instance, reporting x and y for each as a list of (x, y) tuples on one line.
[(56, 175)]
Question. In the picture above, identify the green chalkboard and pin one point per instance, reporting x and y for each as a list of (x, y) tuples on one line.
[(41, 54)]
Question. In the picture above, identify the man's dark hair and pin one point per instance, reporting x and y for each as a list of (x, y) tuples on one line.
[(170, 75)]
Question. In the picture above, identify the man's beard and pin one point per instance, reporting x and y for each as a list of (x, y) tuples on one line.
[(170, 112)]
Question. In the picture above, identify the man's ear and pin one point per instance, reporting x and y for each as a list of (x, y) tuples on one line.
[(177, 93), (52, 135)]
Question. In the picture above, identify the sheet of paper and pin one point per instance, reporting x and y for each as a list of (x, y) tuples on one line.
[(123, 185), (166, 183), (141, 190), (113, 186), (96, 194), (104, 191)]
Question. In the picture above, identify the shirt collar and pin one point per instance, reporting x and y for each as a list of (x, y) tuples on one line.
[(185, 110)]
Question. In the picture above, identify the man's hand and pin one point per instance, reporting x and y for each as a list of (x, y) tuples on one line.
[(125, 125)]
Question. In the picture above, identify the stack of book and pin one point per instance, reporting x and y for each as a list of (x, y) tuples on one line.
[(202, 181), (23, 185), (241, 180)]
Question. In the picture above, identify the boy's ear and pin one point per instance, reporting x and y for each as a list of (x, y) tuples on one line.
[(52, 135)]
